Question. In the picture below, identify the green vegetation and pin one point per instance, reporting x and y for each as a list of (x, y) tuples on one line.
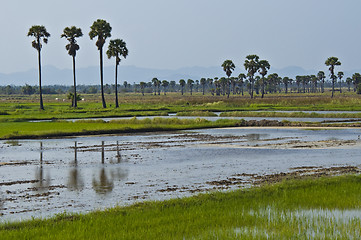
[(289, 114), (301, 209), (16, 130)]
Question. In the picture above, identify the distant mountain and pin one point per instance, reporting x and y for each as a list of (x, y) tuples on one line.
[(131, 74)]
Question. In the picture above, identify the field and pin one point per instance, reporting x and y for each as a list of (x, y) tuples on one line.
[(319, 208), (323, 208)]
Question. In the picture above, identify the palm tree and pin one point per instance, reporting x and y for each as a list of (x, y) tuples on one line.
[(332, 62), (190, 83), (321, 77), (340, 76), (100, 29), (241, 78), (252, 65), (286, 81), (165, 85), (203, 83), (41, 35), (264, 67), (228, 67), (182, 83), (349, 81), (356, 80), (142, 86), (117, 48), (71, 34)]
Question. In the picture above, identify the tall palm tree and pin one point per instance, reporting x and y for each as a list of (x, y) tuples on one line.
[(71, 34), (321, 78), (332, 62), (251, 65), (340, 76), (41, 35), (155, 82), (228, 67), (264, 67), (117, 48), (100, 29)]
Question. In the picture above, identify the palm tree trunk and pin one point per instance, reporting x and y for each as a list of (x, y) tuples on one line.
[(333, 86), (101, 77), (75, 104), (262, 86), (40, 90), (252, 86), (116, 85)]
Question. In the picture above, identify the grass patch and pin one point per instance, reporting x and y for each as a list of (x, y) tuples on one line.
[(303, 209)]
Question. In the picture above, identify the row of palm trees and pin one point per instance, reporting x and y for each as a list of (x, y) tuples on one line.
[(253, 65), (101, 30)]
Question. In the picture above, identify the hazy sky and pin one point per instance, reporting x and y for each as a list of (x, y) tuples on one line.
[(170, 34)]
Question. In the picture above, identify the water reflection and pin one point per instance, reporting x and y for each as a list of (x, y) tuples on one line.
[(104, 183), (75, 181), (42, 183), (253, 137)]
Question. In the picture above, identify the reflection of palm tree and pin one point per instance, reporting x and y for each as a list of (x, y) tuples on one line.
[(102, 152), (118, 156), (39, 174), (75, 181), (104, 185)]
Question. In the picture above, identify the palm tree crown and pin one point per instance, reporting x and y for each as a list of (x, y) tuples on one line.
[(228, 67), (40, 34), (71, 34), (117, 48), (102, 30)]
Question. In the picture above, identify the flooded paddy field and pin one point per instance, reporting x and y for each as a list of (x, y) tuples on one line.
[(40, 178)]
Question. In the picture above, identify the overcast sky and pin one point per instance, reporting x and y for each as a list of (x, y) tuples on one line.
[(170, 34)]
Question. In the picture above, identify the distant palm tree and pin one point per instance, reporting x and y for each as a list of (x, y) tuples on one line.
[(286, 81), (241, 78), (332, 62), (228, 67), (117, 48), (142, 86), (348, 82), (41, 35), (190, 83), (264, 67), (165, 85), (102, 30), (321, 78), (203, 83), (71, 34), (340, 76), (252, 65), (155, 82), (182, 83)]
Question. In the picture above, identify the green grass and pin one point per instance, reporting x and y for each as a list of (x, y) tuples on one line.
[(16, 130), (288, 210), (289, 114)]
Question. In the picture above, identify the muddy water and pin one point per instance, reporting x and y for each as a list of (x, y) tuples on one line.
[(40, 178)]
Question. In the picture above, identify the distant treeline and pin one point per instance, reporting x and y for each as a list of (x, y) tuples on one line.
[(214, 86)]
